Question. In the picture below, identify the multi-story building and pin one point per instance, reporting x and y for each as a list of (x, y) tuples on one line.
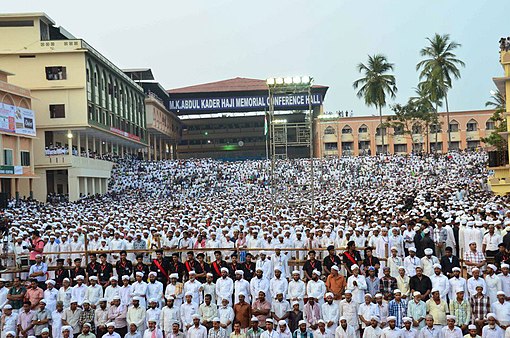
[(86, 106), (163, 126), (339, 136), (17, 132)]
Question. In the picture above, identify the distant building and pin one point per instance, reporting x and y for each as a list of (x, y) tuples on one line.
[(226, 119), (17, 133), (361, 135), (86, 107)]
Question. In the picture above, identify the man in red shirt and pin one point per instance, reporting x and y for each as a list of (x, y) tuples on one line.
[(37, 246)]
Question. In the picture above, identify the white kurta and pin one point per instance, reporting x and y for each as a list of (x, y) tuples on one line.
[(242, 286), (278, 285), (349, 310), (194, 288), (330, 313), (358, 291), (224, 289), (316, 289), (410, 264), (140, 290), (296, 292), (226, 314), (441, 283), (472, 283), (493, 286)]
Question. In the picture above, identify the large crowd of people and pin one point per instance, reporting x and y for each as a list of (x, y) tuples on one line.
[(393, 246)]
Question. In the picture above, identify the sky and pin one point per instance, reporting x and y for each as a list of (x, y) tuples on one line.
[(198, 41)]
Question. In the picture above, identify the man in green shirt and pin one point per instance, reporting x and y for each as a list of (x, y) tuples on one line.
[(255, 331), (85, 331), (16, 294)]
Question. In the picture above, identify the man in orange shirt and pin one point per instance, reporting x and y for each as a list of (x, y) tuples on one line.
[(336, 284), (34, 294)]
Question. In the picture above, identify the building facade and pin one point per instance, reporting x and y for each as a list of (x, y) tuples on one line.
[(164, 128), (87, 108), (17, 134), (361, 135)]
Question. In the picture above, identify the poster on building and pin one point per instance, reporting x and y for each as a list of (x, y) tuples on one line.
[(17, 120)]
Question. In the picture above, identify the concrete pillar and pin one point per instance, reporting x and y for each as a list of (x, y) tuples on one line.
[(155, 148), (73, 183), (100, 148), (69, 142), (160, 148), (16, 186), (149, 147), (87, 145), (94, 144), (78, 140), (30, 189)]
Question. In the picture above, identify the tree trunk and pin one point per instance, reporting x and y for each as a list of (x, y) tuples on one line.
[(427, 146), (448, 121), (437, 125), (381, 129)]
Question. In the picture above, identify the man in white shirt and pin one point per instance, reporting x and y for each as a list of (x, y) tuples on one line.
[(265, 265), (502, 309), (112, 290), (152, 331), (391, 331), (155, 289), (344, 330), (196, 330), (440, 281), (330, 312), (193, 286), (169, 315), (79, 291), (241, 285), (281, 261), (428, 261), (187, 310), (316, 288), (457, 283), (257, 283), (373, 331), (411, 262), (94, 292), (408, 331), (504, 276), (493, 282), (357, 284), (475, 281), (224, 287), (278, 283), (450, 330), (296, 289)]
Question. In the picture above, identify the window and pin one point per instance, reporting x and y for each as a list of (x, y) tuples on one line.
[(378, 131), (490, 125), (331, 146), (401, 148), (472, 125), (454, 127), (17, 23), (434, 128), (417, 129), (363, 129), (8, 157), (56, 73), (57, 111), (472, 145), (329, 131), (346, 130), (25, 158), (398, 130)]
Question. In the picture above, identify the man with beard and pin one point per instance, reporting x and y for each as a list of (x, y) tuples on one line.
[(241, 285)]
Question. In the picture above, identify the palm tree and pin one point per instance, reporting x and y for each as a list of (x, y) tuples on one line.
[(441, 63), (376, 84), (497, 101), (426, 106)]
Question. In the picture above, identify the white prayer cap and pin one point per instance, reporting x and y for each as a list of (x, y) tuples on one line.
[(192, 272), (472, 241), (239, 272), (354, 266), (269, 320), (153, 300), (458, 269), (492, 266), (397, 291), (437, 266), (173, 275), (73, 301), (50, 281), (195, 316), (505, 266), (434, 290), (426, 231), (321, 321), (153, 273), (377, 295), (493, 315), (390, 318), (501, 293), (44, 301), (451, 317), (376, 318), (280, 323), (254, 319), (135, 298), (407, 320), (66, 280), (413, 249), (329, 294), (79, 277), (394, 248), (139, 273), (215, 319), (368, 295), (428, 251), (334, 267), (125, 277), (277, 268), (117, 297), (10, 333), (189, 293), (316, 272), (302, 322), (70, 328), (93, 277), (296, 272), (348, 291), (459, 290), (84, 324), (7, 307), (472, 327), (114, 278), (222, 270)]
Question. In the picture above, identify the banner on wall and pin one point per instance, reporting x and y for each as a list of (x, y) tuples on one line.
[(17, 120)]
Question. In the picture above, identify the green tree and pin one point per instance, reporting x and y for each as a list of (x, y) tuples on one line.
[(498, 102), (441, 65), (429, 97), (376, 84)]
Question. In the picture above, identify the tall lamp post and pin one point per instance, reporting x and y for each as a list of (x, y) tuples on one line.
[(288, 86)]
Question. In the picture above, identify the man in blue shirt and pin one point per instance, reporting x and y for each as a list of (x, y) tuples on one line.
[(38, 272)]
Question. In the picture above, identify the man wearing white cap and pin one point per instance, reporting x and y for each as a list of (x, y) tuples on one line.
[(437, 308), (440, 281), (50, 295), (373, 330), (224, 286), (357, 284), (345, 330), (411, 262), (493, 282), (226, 316), (194, 287), (316, 288), (196, 330), (94, 291), (430, 330), (366, 310), (397, 308), (408, 331), (169, 315), (153, 312), (187, 310), (450, 330), (278, 284), (461, 309), (8, 321), (475, 281), (456, 283), (296, 289), (504, 276), (264, 263), (428, 261), (155, 289), (152, 329), (241, 285), (136, 314), (417, 310), (473, 258), (394, 262), (501, 309), (472, 332), (391, 331), (348, 309), (330, 312), (492, 329)]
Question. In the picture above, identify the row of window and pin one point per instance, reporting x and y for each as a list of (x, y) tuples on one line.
[(115, 121), (9, 157), (223, 141), (226, 126), (472, 125), (397, 148)]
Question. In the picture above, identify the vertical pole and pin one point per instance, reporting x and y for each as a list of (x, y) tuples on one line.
[(312, 201)]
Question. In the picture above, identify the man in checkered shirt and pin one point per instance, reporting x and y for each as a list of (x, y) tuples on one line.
[(474, 258)]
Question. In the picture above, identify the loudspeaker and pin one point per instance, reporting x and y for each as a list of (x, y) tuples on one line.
[(3, 200)]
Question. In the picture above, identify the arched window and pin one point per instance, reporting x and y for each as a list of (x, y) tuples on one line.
[(346, 130), (490, 125), (398, 130), (454, 126), (378, 131), (363, 129), (329, 131), (472, 125), (417, 129)]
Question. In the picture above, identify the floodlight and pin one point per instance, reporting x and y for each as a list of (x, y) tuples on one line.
[(270, 81), (279, 81), (296, 80), (288, 80), (69, 135), (306, 80)]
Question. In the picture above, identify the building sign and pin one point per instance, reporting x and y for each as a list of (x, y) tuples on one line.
[(125, 134), (11, 170), (17, 120), (243, 103)]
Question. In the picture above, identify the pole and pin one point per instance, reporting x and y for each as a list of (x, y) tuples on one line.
[(266, 132), (312, 185), (271, 139)]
